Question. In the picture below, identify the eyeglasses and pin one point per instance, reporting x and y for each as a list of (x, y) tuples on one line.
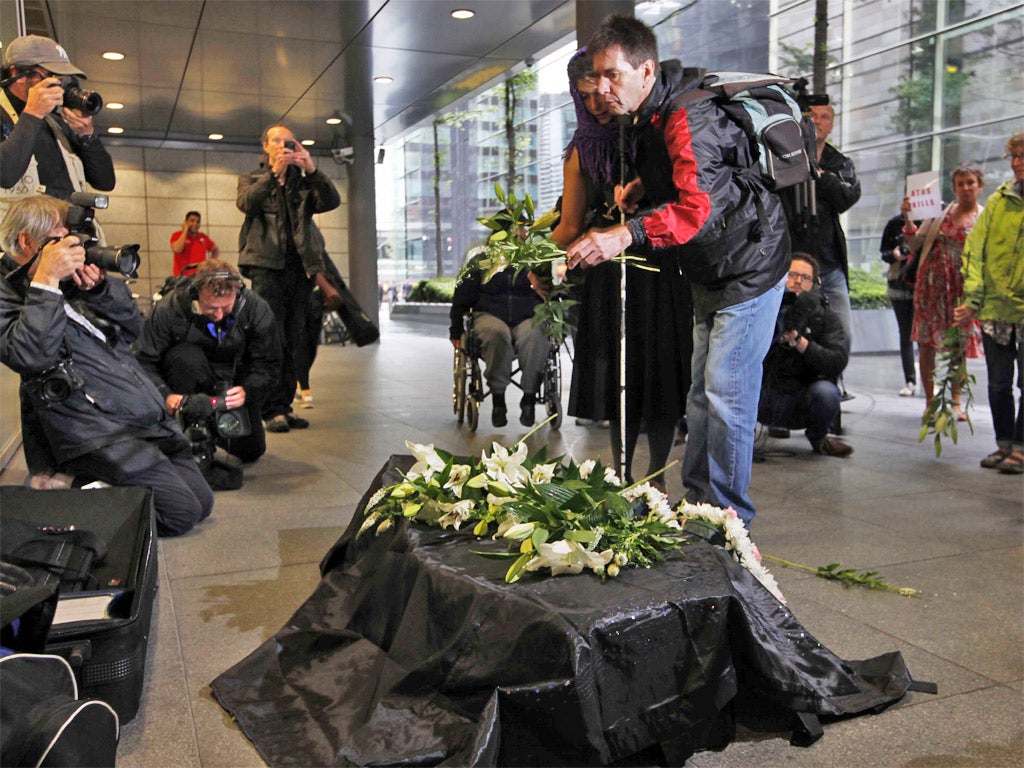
[(801, 276)]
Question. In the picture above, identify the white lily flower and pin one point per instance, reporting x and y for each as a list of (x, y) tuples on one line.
[(506, 467), (586, 468), (610, 477), (568, 557), (457, 478), (543, 473), (427, 460), (455, 514)]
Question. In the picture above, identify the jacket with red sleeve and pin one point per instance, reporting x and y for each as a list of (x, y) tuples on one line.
[(710, 209)]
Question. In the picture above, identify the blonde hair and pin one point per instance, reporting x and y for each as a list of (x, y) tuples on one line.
[(35, 216)]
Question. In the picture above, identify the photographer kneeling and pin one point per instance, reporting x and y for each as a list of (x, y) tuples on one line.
[(802, 366), (88, 408), (211, 348)]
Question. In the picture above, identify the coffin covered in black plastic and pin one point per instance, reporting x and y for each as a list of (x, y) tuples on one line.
[(414, 651)]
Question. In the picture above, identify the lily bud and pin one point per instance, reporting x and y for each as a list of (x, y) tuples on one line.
[(520, 531)]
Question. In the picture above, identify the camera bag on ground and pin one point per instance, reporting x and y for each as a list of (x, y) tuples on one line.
[(771, 118), (44, 723), (103, 631)]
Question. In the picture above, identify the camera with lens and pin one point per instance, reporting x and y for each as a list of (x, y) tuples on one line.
[(55, 384), (901, 245), (86, 102), (81, 222), (212, 413)]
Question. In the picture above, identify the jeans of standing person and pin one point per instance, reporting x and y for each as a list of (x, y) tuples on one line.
[(1000, 359), (814, 407), (721, 410), (835, 289), (904, 311), (498, 342), (287, 292)]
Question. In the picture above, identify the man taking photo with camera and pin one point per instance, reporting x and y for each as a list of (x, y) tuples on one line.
[(88, 408), (802, 366), (211, 348), (49, 143)]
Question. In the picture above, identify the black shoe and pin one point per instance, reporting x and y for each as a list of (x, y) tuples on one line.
[(779, 432), (296, 422), (278, 424), (499, 416), (527, 414)]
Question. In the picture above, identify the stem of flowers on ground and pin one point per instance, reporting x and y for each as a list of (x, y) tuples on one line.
[(653, 474), (868, 579), (533, 431)]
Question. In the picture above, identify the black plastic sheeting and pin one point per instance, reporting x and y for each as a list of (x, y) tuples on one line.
[(414, 651)]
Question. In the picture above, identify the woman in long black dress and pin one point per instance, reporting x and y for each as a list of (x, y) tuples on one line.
[(659, 312)]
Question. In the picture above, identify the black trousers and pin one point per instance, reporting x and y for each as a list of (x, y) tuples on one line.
[(187, 371), (287, 292)]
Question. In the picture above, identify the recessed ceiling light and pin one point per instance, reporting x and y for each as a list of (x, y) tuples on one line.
[(114, 105), (115, 129), (308, 142), (113, 55), (463, 13), (215, 136), (333, 120), (383, 79)]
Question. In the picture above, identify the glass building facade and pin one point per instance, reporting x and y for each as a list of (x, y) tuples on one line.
[(917, 85)]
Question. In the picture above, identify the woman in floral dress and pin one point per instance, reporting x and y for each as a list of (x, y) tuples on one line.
[(939, 285)]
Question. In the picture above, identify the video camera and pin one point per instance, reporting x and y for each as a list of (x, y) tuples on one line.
[(212, 411), (81, 222)]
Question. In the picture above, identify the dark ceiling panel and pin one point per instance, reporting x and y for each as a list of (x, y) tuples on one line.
[(233, 66)]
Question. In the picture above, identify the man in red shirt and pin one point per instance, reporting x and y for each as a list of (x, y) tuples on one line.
[(191, 246)]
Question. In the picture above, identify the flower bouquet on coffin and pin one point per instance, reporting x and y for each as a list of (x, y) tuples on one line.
[(557, 516)]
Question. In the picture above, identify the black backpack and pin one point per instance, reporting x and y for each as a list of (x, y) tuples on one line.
[(771, 118)]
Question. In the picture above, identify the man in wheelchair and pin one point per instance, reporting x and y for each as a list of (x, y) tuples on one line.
[(502, 328), (805, 360)]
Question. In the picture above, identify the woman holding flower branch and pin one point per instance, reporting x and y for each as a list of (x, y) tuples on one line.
[(993, 271)]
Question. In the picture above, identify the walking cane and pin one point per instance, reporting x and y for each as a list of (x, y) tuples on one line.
[(620, 459)]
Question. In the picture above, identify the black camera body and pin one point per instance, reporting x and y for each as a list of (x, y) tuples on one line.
[(81, 222), (86, 102), (55, 384), (212, 413)]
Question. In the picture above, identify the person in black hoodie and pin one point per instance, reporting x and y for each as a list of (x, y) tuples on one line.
[(503, 325), (802, 366)]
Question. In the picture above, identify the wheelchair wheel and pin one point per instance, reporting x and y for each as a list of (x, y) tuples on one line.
[(459, 386), (553, 387), (474, 395)]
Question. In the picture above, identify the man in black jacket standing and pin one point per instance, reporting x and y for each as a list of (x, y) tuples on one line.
[(802, 366), (210, 336), (711, 217), (280, 249), (88, 408)]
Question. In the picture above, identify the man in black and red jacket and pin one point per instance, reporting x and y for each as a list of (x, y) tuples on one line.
[(707, 213)]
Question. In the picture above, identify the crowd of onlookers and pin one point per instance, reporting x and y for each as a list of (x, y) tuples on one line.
[(745, 319)]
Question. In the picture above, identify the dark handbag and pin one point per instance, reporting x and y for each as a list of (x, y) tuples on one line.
[(907, 275), (358, 322)]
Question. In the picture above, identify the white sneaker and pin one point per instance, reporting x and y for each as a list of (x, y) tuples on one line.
[(909, 390)]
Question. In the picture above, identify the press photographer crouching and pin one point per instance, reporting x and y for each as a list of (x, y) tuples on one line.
[(211, 348), (805, 360), (88, 408)]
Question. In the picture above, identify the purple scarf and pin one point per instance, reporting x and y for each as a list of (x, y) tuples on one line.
[(596, 144)]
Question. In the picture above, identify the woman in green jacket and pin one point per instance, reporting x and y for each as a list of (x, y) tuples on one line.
[(993, 270)]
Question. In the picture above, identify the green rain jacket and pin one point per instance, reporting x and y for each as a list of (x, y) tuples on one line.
[(993, 259)]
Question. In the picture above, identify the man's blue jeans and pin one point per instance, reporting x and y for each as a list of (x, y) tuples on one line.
[(721, 410)]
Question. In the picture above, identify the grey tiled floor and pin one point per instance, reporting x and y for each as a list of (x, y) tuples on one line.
[(943, 525)]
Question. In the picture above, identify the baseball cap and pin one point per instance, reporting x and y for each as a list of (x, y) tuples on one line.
[(35, 50)]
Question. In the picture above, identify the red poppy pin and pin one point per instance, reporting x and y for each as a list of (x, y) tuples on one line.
[(656, 121)]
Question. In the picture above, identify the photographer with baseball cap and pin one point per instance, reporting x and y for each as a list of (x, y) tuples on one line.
[(49, 143)]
